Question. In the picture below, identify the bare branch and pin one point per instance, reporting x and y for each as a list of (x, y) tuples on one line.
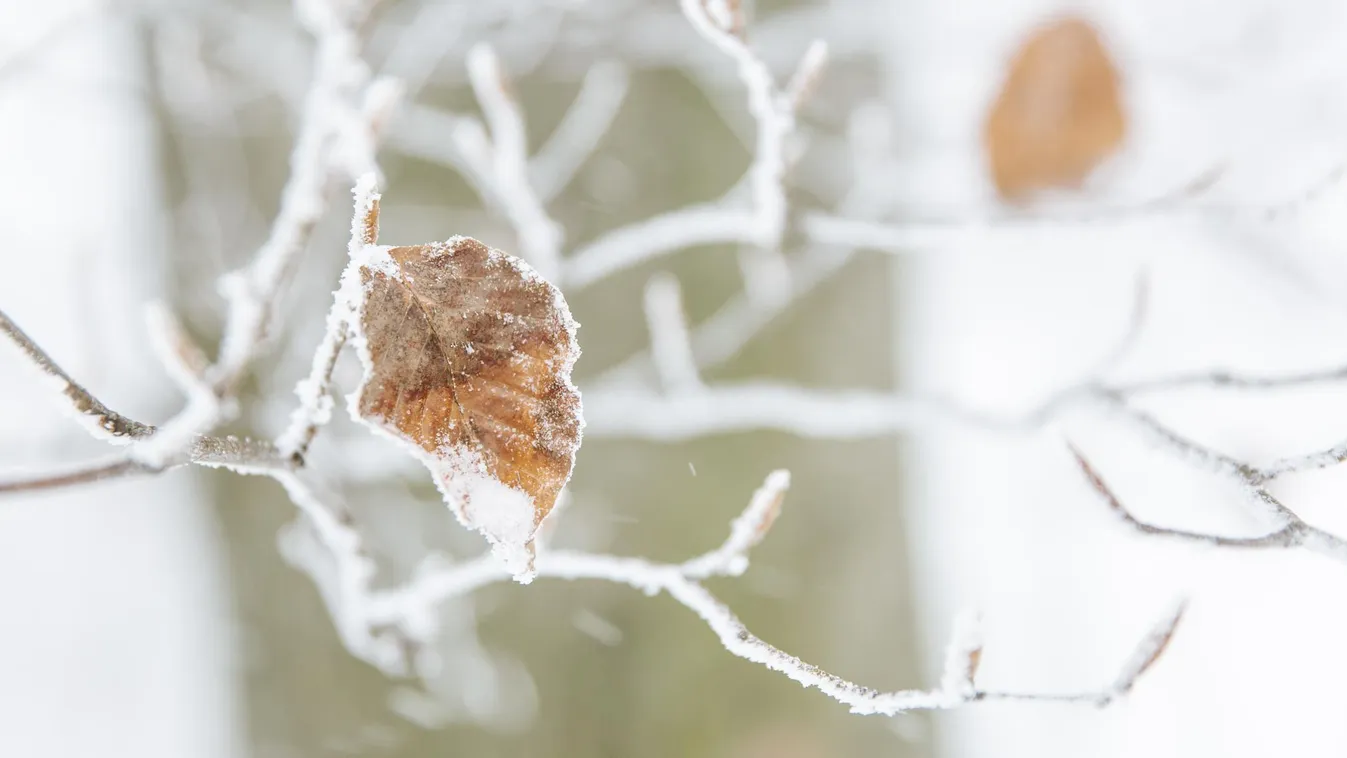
[(646, 240), (1289, 536), (75, 476), (1143, 658), (721, 336), (617, 411), (315, 400), (493, 159), (540, 237), (103, 422), (679, 581), (764, 224), (452, 139), (152, 450), (746, 531), (181, 358), (773, 111), (1149, 650), (1312, 461), (586, 121), (238, 454), (737, 639), (341, 121), (729, 329), (633, 245), (233, 453), (1251, 480), (1221, 379), (337, 87), (669, 343), (339, 565)]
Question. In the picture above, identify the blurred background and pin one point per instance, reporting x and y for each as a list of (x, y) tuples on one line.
[(1037, 181)]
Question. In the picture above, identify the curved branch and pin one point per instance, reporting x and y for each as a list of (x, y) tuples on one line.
[(107, 424), (73, 477)]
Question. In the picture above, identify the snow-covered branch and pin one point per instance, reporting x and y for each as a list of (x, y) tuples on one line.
[(407, 605), (1288, 528), (774, 110), (721, 336), (624, 411), (109, 426), (315, 399), (575, 139), (669, 343), (73, 476), (668, 233), (1142, 659), (493, 158), (327, 146), (540, 237), (342, 118)]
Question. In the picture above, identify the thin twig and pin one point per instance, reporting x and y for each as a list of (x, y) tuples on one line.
[(540, 236), (342, 569), (746, 531), (73, 477), (646, 240), (679, 581), (737, 639), (669, 343), (587, 120), (1224, 379), (1291, 535), (773, 112), (1291, 530), (315, 400), (338, 91), (725, 333), (106, 424), (764, 224), (234, 453), (1143, 658), (634, 412), (339, 128)]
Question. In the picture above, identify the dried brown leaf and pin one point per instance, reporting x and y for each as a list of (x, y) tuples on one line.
[(1058, 114), (468, 354)]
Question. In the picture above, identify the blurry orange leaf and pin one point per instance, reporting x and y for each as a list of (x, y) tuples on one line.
[(1058, 114), (468, 355)]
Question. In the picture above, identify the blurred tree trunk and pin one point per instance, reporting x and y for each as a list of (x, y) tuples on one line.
[(117, 638)]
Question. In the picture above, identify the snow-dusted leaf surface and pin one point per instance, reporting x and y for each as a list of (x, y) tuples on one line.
[(468, 355)]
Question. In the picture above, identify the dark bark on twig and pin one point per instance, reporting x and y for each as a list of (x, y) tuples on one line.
[(83, 401)]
